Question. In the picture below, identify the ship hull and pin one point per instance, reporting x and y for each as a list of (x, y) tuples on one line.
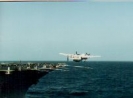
[(16, 84)]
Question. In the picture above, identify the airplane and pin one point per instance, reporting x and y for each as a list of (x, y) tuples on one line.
[(78, 57)]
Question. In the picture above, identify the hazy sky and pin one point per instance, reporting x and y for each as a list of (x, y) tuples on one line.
[(41, 30)]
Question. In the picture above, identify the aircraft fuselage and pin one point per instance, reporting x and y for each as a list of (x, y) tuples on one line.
[(78, 58)]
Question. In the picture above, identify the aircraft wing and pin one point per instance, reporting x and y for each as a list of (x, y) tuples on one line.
[(93, 56), (64, 54)]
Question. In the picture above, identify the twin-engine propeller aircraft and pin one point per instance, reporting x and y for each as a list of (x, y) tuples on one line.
[(78, 57)]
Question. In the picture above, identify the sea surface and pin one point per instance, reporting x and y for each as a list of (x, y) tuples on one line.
[(86, 80)]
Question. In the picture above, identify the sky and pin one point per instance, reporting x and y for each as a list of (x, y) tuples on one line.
[(41, 30)]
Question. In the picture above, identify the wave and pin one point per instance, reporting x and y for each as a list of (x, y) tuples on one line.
[(78, 93), (83, 67)]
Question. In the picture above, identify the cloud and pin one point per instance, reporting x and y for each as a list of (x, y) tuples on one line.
[(111, 0)]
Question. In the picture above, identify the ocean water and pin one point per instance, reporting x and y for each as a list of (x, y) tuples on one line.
[(86, 80)]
